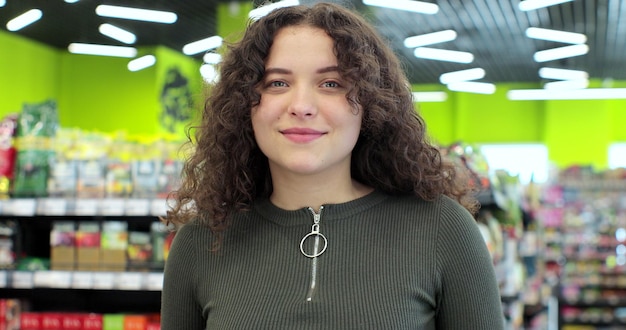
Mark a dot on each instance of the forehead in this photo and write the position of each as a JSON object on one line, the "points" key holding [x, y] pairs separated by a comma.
{"points": [[301, 42]]}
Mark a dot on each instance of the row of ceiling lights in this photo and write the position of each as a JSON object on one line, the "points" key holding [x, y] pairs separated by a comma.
{"points": [[567, 84], [462, 81]]}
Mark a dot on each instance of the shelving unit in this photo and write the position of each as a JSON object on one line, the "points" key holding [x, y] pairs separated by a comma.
{"points": [[590, 216], [76, 291]]}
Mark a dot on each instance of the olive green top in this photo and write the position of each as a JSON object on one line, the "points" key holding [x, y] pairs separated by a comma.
{"points": [[391, 262]]}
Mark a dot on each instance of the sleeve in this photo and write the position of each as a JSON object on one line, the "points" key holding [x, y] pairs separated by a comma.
{"points": [[179, 306], [469, 296]]}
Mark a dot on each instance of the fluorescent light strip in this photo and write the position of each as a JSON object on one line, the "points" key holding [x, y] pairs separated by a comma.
{"points": [[259, 12], [141, 63], [536, 4], [72, 1], [443, 55], [137, 14], [472, 87], [407, 5], [462, 75], [567, 84], [562, 74], [422, 97], [117, 33], [208, 73], [25, 19], [202, 45], [560, 52], [212, 58], [102, 50], [3, 3], [556, 35], [430, 38], [576, 94]]}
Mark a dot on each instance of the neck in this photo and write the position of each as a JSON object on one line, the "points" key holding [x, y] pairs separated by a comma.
{"points": [[292, 194]]}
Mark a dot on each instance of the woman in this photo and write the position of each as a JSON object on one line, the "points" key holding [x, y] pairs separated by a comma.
{"points": [[313, 199]]}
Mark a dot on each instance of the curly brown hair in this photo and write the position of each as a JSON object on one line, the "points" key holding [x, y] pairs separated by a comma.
{"points": [[227, 170]]}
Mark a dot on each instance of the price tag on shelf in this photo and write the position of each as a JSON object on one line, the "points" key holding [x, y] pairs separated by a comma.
{"points": [[23, 207], [4, 278], [52, 206], [52, 279], [154, 281], [86, 207], [129, 281], [82, 280], [112, 206], [137, 207], [104, 280], [22, 280]]}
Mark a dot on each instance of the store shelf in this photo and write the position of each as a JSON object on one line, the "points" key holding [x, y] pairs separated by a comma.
{"points": [[123, 281], [29, 207]]}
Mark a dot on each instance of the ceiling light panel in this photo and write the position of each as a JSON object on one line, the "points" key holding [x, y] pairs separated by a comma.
{"points": [[443, 55], [536, 4], [138, 14], [421, 97], [462, 75], [102, 50], [560, 52], [567, 84], [117, 33], [562, 74], [556, 35], [141, 63], [259, 12], [24, 20], [430, 38], [406, 5], [202, 45]]}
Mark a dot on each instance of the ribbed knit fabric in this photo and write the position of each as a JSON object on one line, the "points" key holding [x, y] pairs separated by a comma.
{"points": [[390, 263]]}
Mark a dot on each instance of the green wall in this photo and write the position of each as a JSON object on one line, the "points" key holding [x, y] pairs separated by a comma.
{"points": [[99, 93], [94, 93], [576, 132]]}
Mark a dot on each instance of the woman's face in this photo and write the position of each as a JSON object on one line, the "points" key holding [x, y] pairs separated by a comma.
{"points": [[304, 123]]}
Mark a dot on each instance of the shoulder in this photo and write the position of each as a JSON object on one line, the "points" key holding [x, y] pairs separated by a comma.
{"points": [[192, 234]]}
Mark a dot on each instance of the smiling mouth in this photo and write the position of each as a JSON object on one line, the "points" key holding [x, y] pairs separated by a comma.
{"points": [[302, 135]]}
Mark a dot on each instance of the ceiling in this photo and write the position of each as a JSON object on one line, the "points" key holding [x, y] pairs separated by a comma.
{"points": [[493, 30]]}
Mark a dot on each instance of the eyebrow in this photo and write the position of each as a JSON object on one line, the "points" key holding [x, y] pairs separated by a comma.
{"points": [[286, 71]]}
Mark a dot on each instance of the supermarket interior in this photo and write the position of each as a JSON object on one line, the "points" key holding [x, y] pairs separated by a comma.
{"points": [[91, 146]]}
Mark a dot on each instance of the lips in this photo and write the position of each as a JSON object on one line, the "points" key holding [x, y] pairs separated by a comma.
{"points": [[302, 135]]}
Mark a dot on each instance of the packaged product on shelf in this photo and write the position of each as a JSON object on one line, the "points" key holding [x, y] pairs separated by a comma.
{"points": [[92, 165], [64, 167], [145, 171], [88, 246], [63, 245], [119, 182], [113, 246], [170, 169], [113, 322], [7, 153], [159, 233], [10, 310], [92, 321], [37, 124], [139, 251], [8, 230]]}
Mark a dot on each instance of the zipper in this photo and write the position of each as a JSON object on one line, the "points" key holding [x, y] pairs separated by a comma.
{"points": [[319, 246]]}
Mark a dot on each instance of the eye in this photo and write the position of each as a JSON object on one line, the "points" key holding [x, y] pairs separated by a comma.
{"points": [[276, 83], [331, 84]]}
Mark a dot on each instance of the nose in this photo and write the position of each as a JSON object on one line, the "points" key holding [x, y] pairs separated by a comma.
{"points": [[303, 103]]}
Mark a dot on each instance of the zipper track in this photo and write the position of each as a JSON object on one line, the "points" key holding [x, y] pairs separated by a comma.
{"points": [[316, 252]]}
